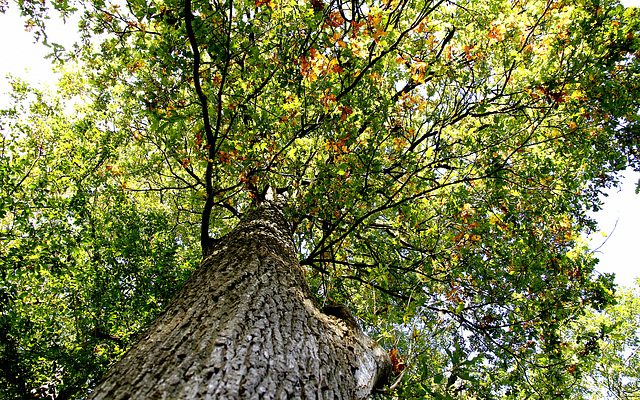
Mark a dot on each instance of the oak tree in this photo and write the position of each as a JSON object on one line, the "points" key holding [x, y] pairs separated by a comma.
{"points": [[424, 165]]}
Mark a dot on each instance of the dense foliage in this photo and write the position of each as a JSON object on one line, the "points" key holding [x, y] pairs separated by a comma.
{"points": [[438, 158]]}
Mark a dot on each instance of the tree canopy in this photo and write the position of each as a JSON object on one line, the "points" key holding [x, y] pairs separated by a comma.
{"points": [[438, 159]]}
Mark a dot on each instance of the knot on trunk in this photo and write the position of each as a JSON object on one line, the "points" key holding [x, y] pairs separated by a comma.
{"points": [[372, 363]]}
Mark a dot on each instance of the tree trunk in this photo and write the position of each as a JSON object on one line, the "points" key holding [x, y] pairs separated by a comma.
{"points": [[244, 325]]}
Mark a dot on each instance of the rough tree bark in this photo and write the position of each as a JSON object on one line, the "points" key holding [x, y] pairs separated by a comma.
{"points": [[244, 326]]}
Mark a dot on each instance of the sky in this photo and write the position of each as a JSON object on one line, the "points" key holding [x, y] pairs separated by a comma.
{"points": [[616, 245]]}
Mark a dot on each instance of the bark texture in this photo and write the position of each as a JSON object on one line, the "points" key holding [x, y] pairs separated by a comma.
{"points": [[244, 326]]}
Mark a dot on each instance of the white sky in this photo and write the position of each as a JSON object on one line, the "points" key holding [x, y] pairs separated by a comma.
{"points": [[619, 223], [619, 254], [21, 56]]}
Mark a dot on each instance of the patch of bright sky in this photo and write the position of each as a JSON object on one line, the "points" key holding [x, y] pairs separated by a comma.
{"points": [[23, 58], [619, 220], [618, 242]]}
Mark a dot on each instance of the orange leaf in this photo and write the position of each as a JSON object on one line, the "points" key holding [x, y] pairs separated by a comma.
{"points": [[398, 364]]}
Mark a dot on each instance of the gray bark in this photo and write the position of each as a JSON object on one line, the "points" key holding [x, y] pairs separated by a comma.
{"points": [[244, 326]]}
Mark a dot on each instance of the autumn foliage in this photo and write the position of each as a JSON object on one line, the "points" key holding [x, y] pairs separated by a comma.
{"points": [[437, 162]]}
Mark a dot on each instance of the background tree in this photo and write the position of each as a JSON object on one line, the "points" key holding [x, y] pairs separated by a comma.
{"points": [[610, 343], [437, 159]]}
